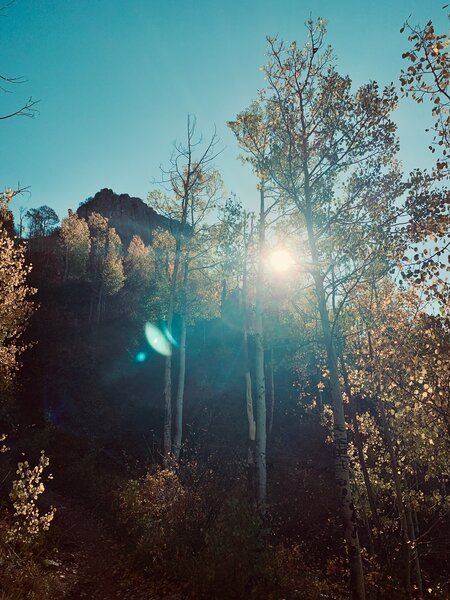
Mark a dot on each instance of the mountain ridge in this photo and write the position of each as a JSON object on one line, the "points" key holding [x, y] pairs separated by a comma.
{"points": [[129, 215]]}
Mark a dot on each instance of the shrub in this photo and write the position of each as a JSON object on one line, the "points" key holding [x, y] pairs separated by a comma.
{"points": [[28, 524], [294, 578], [21, 538], [193, 532], [235, 557]]}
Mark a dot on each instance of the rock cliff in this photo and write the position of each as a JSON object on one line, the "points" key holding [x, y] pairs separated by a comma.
{"points": [[128, 215]]}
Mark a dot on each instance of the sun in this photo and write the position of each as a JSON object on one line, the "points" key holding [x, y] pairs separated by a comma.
{"points": [[281, 260]]}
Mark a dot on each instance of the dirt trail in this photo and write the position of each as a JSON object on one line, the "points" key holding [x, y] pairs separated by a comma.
{"points": [[91, 564]]}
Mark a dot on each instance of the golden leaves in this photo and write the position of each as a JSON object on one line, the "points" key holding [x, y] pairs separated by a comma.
{"points": [[15, 306], [26, 489]]}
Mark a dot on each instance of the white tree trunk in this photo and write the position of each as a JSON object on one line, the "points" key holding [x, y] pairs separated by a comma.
{"points": [[177, 440], [167, 434], [250, 415], [260, 382], [341, 459], [248, 384], [271, 392]]}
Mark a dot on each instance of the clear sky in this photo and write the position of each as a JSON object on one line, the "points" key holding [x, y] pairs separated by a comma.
{"points": [[116, 79]]}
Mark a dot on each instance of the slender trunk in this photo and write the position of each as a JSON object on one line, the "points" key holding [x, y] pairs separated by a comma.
{"points": [[340, 443], [248, 389], [416, 535], [167, 435], [316, 375], [259, 362], [387, 435], [406, 542], [99, 304], [359, 446], [180, 392], [66, 263], [249, 405], [366, 523], [94, 260], [182, 370], [271, 392], [416, 523], [412, 535], [251, 440], [341, 460], [91, 305], [223, 298]]}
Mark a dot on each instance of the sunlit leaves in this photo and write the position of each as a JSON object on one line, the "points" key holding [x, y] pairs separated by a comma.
{"points": [[429, 77], [15, 305], [28, 521], [400, 355], [76, 245], [106, 265]]}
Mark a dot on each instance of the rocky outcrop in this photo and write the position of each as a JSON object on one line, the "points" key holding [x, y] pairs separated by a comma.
{"points": [[128, 215]]}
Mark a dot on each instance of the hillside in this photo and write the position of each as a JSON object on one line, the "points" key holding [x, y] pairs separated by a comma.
{"points": [[127, 214]]}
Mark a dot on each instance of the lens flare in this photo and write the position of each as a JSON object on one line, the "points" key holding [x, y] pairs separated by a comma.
{"points": [[169, 336], [140, 357], [157, 340]]}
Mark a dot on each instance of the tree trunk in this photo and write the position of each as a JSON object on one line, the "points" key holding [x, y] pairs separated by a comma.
{"points": [[180, 392], [359, 446], [178, 438], [66, 263], [412, 535], [366, 522], [271, 392], [91, 305], [260, 382], [387, 435], [99, 304], [341, 460], [406, 543], [251, 462], [167, 436], [340, 444]]}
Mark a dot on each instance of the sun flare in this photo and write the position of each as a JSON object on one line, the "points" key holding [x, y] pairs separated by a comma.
{"points": [[281, 260]]}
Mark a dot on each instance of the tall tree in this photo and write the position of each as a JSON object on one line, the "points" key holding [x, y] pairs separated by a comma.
{"points": [[400, 367], [330, 155], [138, 263], [15, 304], [105, 263], [192, 184], [237, 252], [76, 244], [41, 221], [251, 128]]}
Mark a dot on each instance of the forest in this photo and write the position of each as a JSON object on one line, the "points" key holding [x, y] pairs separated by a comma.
{"points": [[203, 398]]}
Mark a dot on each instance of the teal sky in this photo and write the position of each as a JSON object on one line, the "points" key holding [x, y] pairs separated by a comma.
{"points": [[116, 79]]}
